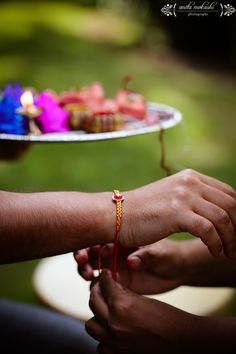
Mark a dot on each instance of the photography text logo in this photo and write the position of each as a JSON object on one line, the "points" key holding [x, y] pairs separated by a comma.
{"points": [[192, 9]]}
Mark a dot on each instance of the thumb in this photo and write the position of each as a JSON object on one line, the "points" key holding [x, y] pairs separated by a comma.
{"points": [[109, 288], [145, 257], [135, 261]]}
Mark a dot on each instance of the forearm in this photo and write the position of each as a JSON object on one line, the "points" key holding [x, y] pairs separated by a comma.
{"points": [[200, 334], [214, 334], [202, 269], [37, 225], [189, 333]]}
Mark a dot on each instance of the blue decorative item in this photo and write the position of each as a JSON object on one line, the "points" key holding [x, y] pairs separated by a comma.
{"points": [[12, 122]]}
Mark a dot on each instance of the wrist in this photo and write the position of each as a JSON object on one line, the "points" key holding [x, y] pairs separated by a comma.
{"points": [[106, 211]]}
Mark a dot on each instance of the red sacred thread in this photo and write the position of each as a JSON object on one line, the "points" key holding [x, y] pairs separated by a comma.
{"points": [[100, 259]]}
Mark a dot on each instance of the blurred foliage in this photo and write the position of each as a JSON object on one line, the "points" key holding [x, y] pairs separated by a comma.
{"points": [[61, 45]]}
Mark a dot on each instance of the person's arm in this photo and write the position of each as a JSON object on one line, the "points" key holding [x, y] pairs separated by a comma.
{"points": [[125, 322], [35, 225], [42, 224], [201, 269], [183, 263]]}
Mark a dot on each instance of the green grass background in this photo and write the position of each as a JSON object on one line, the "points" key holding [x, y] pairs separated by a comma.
{"points": [[60, 46]]}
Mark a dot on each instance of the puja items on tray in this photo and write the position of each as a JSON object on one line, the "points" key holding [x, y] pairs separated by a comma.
{"points": [[23, 111]]}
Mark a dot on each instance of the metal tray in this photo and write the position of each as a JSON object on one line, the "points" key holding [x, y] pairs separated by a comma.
{"points": [[168, 117]]}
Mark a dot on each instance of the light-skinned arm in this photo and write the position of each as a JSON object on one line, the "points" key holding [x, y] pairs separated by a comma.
{"points": [[35, 225], [41, 224]]}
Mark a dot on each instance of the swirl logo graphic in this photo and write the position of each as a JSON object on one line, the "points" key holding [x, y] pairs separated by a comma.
{"points": [[193, 9]]}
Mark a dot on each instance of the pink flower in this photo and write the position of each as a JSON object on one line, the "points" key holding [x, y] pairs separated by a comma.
{"points": [[53, 118]]}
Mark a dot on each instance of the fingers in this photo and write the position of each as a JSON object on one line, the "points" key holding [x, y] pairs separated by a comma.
{"points": [[95, 330], [109, 288], [222, 222], [204, 229], [86, 272], [225, 219], [81, 256], [84, 268], [215, 204], [98, 304], [93, 282], [218, 185], [87, 260], [223, 200]]}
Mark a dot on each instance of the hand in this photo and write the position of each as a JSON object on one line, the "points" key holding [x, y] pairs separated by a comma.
{"points": [[187, 201], [125, 322], [151, 269], [13, 150]]}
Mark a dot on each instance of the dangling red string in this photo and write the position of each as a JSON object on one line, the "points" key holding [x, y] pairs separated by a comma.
{"points": [[163, 164]]}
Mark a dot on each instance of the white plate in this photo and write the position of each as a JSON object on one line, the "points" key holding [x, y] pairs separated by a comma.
{"points": [[140, 127], [59, 286]]}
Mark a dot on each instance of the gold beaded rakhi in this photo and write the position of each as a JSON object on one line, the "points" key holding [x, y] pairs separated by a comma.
{"points": [[117, 198]]}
